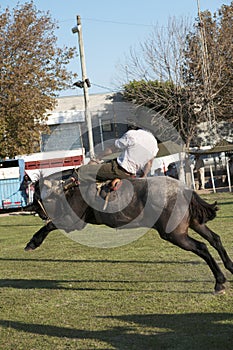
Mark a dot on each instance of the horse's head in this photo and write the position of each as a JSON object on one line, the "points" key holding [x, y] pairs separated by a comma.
{"points": [[43, 194], [37, 204]]}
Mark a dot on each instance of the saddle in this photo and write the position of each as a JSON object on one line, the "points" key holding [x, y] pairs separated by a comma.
{"points": [[103, 188]]}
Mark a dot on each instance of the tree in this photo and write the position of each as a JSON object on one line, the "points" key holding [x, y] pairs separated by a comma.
{"points": [[184, 73], [157, 79], [211, 45], [32, 71]]}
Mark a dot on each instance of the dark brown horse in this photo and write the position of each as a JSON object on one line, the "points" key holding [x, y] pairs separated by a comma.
{"points": [[162, 203]]}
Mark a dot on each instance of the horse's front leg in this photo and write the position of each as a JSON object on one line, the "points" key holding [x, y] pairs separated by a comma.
{"points": [[40, 236]]}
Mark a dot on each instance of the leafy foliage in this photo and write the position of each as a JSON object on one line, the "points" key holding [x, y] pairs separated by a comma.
{"points": [[184, 73], [33, 70], [209, 64]]}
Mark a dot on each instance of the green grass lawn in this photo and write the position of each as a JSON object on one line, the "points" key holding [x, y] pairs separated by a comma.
{"points": [[145, 295]]}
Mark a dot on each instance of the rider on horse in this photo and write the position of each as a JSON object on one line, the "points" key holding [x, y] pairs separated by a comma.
{"points": [[139, 147]]}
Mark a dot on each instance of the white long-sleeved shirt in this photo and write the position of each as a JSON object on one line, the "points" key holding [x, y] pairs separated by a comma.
{"points": [[138, 148]]}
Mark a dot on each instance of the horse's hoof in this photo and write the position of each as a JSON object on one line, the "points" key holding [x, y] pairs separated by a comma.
{"points": [[220, 291], [29, 247]]}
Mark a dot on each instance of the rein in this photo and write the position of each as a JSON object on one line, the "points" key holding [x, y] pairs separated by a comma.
{"points": [[48, 219]]}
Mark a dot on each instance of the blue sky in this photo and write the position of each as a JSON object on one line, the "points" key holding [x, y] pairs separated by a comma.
{"points": [[110, 29]]}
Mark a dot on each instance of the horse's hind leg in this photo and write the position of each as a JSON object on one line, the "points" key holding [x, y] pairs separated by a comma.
{"points": [[215, 242], [184, 241], [40, 236]]}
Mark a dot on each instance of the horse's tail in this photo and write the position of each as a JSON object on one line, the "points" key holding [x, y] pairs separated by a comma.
{"points": [[200, 210]]}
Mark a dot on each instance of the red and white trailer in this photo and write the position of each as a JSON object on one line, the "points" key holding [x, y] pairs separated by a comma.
{"points": [[34, 165], [47, 163]]}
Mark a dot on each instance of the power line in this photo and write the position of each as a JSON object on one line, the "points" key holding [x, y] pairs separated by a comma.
{"points": [[109, 21], [104, 87], [118, 22]]}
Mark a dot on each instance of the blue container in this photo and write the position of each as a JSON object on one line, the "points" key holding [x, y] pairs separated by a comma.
{"points": [[11, 176]]}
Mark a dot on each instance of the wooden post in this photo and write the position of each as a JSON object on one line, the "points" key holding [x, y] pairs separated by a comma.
{"points": [[212, 179], [228, 175], [85, 81], [192, 176]]}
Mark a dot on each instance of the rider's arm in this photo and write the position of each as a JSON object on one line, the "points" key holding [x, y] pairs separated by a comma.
{"points": [[147, 168]]}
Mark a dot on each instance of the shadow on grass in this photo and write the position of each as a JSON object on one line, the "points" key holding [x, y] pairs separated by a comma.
{"points": [[225, 203], [151, 331], [21, 225], [99, 285], [107, 261]]}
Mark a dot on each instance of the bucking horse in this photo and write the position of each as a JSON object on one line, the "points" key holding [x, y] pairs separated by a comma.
{"points": [[159, 202]]}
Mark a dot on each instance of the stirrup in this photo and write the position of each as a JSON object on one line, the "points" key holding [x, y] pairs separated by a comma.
{"points": [[115, 184]]}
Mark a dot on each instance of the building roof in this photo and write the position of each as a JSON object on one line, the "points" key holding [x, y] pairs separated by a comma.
{"points": [[222, 146]]}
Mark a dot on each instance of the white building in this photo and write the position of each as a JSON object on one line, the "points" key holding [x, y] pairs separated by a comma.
{"points": [[109, 114]]}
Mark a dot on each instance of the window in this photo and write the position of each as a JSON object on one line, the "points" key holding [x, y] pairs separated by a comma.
{"points": [[62, 137], [107, 125]]}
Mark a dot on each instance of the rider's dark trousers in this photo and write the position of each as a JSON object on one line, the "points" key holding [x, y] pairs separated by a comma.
{"points": [[102, 172]]}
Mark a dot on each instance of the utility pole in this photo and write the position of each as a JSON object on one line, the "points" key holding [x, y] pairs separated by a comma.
{"points": [[85, 84]]}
